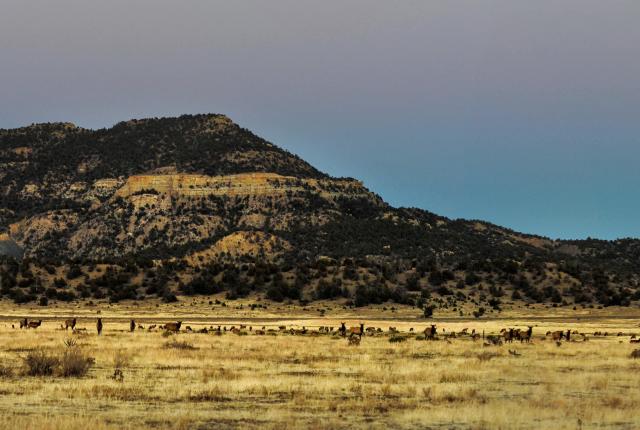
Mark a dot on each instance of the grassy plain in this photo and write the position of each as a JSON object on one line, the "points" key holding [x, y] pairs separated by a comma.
{"points": [[282, 381]]}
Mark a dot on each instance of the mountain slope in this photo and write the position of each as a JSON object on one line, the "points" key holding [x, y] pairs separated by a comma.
{"points": [[197, 204]]}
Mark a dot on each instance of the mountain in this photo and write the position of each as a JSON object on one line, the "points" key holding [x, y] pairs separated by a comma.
{"points": [[198, 205]]}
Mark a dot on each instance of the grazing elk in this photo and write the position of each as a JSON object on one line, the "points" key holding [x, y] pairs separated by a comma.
{"points": [[430, 332], [34, 324], [70, 323], [99, 326], [173, 326]]}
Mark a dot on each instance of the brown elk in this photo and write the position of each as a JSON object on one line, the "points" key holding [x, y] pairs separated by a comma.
{"points": [[343, 329], [99, 326], [24, 323], [430, 332], [356, 331], [507, 334], [525, 336], [34, 324], [70, 323], [173, 326], [132, 326], [557, 335]]}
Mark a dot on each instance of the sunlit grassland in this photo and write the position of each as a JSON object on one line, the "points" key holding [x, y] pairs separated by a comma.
{"points": [[279, 380]]}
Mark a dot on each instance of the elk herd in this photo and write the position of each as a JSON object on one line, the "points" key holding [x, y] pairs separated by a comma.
{"points": [[353, 334]]}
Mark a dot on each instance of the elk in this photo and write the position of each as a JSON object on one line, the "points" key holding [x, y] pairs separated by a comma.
{"points": [[24, 323], [99, 326], [430, 332], [525, 336], [173, 326], [356, 331], [507, 334], [343, 329], [70, 323], [34, 324], [132, 326], [151, 327], [557, 335]]}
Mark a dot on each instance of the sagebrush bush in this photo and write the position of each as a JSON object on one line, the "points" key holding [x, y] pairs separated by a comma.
{"points": [[121, 359], [394, 339], [5, 372], [74, 362], [175, 344], [40, 363]]}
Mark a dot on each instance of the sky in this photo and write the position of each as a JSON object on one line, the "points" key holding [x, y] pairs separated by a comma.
{"points": [[522, 113]]}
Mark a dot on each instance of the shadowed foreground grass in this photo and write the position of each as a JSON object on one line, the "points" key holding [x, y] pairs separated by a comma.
{"points": [[193, 380]]}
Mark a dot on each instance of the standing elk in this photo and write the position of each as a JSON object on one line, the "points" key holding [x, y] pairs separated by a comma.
{"points": [[557, 335], [430, 333], [132, 326], [34, 324], [356, 331], [70, 323], [173, 326], [525, 336], [343, 329], [99, 326]]}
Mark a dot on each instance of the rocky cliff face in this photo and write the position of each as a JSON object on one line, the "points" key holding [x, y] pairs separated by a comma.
{"points": [[170, 184]]}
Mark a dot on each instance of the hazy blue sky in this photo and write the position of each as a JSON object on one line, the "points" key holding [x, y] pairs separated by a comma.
{"points": [[526, 114]]}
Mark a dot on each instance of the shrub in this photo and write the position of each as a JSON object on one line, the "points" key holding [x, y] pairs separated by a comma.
{"points": [[428, 311], [75, 362], [121, 359], [39, 363], [396, 339], [175, 344], [5, 372]]}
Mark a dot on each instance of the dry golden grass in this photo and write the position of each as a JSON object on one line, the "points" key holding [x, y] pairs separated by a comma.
{"points": [[285, 381]]}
